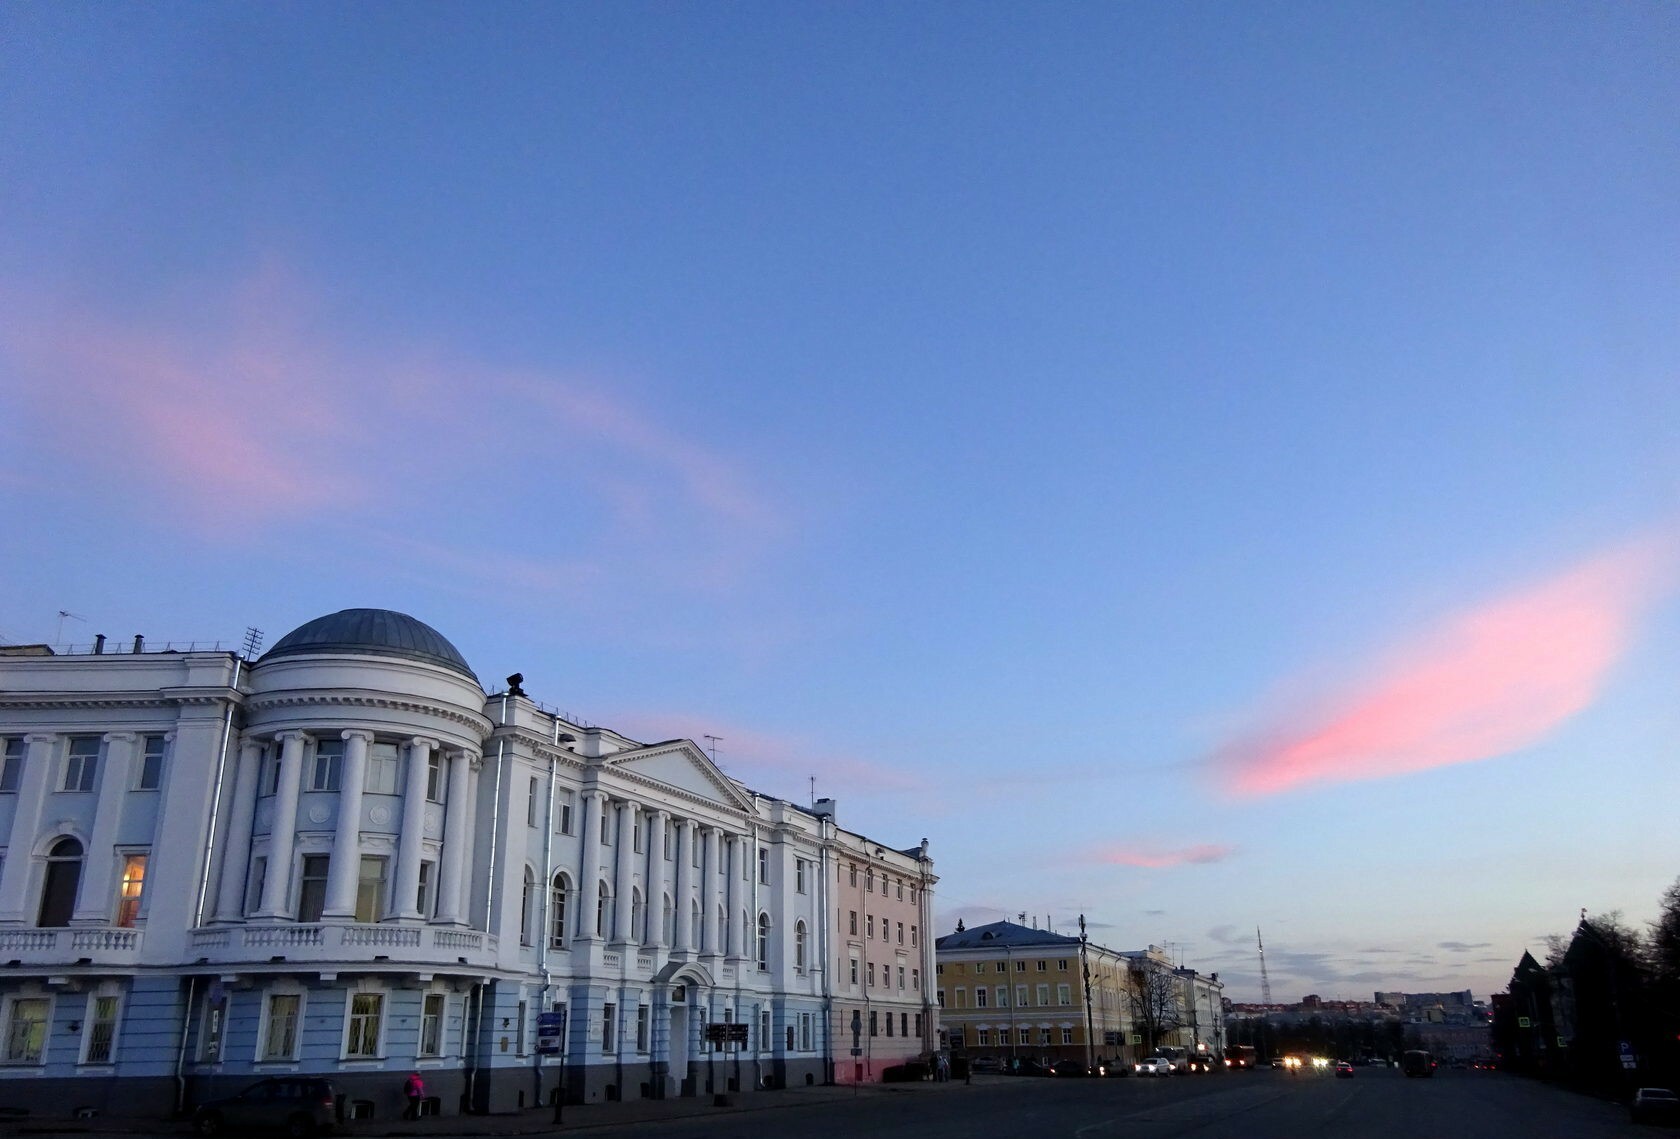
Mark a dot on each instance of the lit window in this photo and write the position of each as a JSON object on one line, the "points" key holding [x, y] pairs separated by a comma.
{"points": [[361, 1038], [26, 1030], [130, 889]]}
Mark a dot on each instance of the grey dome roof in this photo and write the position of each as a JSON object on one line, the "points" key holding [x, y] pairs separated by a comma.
{"points": [[382, 632]]}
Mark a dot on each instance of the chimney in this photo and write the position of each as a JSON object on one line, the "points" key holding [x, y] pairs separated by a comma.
{"points": [[99, 645], [139, 643], [823, 809]]}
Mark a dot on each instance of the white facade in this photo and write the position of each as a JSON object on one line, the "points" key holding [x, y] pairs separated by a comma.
{"points": [[344, 859]]}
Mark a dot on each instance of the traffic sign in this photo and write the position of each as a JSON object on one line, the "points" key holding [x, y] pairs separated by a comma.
{"points": [[551, 1029]]}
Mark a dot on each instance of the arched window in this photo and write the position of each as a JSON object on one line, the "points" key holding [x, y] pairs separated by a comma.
{"points": [[722, 928], [638, 916], [527, 903], [764, 941], [64, 878], [557, 892], [603, 911], [668, 922], [695, 930], [799, 947]]}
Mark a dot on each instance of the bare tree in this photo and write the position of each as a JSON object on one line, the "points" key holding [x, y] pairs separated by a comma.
{"points": [[1157, 1007]]}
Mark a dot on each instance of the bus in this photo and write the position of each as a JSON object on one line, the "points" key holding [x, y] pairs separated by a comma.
{"points": [[1417, 1062], [1239, 1056]]}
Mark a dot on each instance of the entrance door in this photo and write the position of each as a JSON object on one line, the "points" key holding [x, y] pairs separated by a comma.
{"points": [[678, 1044]]}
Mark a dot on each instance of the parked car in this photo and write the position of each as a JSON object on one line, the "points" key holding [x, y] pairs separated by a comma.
{"points": [[1031, 1067], [1077, 1068], [295, 1106], [1153, 1066], [1654, 1105], [985, 1064], [1344, 1070]]}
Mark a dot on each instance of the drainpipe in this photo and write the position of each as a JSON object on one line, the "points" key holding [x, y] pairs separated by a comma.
{"points": [[495, 821], [828, 918], [216, 800], [181, 1055], [546, 888]]}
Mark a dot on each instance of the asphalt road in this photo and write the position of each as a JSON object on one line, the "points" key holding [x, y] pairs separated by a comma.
{"points": [[1374, 1104]]}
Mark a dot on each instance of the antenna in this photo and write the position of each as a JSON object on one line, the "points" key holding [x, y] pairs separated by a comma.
{"points": [[1265, 981], [58, 637], [714, 740], [253, 641], [813, 791]]}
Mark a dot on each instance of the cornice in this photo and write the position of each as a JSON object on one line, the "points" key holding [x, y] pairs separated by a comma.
{"points": [[299, 699], [151, 698]]}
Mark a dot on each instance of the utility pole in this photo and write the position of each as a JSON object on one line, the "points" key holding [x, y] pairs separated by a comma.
{"points": [[1085, 968]]}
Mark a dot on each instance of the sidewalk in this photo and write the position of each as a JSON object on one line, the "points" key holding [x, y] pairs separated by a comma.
{"points": [[536, 1121]]}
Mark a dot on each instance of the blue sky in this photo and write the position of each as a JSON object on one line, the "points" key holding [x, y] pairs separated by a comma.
{"points": [[1205, 466]]}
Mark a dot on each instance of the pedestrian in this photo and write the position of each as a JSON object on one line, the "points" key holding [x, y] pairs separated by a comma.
{"points": [[415, 1089]]}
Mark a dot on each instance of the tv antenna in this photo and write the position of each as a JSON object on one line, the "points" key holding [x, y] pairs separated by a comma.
{"points": [[253, 641], [714, 741], [58, 637]]}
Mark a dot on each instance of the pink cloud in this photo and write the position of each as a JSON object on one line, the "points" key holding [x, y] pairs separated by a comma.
{"points": [[1487, 682], [1158, 858]]}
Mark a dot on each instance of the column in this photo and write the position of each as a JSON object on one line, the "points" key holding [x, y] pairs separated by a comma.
{"points": [[413, 830], [732, 894], [680, 902], [39, 752], [345, 869], [623, 882], [457, 809], [709, 893], [469, 849], [94, 901], [236, 839], [277, 881], [655, 878], [589, 864]]}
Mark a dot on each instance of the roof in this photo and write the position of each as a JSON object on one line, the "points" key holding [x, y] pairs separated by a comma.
{"points": [[381, 632], [999, 934]]}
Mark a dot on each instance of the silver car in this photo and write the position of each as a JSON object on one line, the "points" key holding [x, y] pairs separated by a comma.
{"points": [[1153, 1066]]}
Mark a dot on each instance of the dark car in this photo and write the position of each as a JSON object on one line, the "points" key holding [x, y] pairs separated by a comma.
{"points": [[1031, 1068], [985, 1064], [295, 1106], [1076, 1068], [1654, 1105]]}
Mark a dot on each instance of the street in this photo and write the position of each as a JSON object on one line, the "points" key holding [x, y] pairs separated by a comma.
{"points": [[1376, 1104]]}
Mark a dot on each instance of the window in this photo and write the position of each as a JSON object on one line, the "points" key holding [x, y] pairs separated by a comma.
{"points": [[603, 910], [11, 763], [1044, 1036], [129, 890], [983, 1037], [799, 947], [609, 1026], [763, 941], [381, 777], [854, 971], [1043, 996], [870, 879], [641, 1028], [370, 889], [790, 1038], [431, 1024], [764, 865], [636, 830], [557, 912], [361, 1037], [26, 1030], [271, 772], [101, 1029], [63, 880], [899, 887], [913, 939], [854, 923], [805, 1031], [150, 777], [1020, 996], [764, 1028], [435, 782], [215, 1019], [901, 976], [312, 887], [871, 924], [918, 1024], [1041, 966], [81, 768], [665, 841], [668, 921], [901, 933], [521, 1020], [799, 875], [1064, 995], [423, 893], [889, 1015], [1002, 996], [527, 906], [853, 869], [916, 979], [638, 916], [872, 975], [939, 998], [1061, 966], [1024, 1037], [279, 1039], [532, 798], [874, 1030], [1067, 1036], [254, 887], [1002, 966], [980, 1000], [324, 774], [563, 814], [1020, 966]]}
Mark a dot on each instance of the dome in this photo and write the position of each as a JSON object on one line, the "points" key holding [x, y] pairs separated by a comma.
{"points": [[381, 632]]}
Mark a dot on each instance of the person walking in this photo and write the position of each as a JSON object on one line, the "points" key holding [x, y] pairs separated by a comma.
{"points": [[415, 1089]]}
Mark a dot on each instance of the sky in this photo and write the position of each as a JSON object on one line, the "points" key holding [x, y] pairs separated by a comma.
{"points": [[1203, 466]]}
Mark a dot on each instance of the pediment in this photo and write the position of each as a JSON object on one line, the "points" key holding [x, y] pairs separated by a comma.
{"points": [[683, 766]]}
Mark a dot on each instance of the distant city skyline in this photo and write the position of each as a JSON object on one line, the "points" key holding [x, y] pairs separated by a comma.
{"points": [[1203, 470]]}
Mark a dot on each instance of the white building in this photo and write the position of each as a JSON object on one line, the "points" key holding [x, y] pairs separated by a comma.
{"points": [[344, 859]]}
